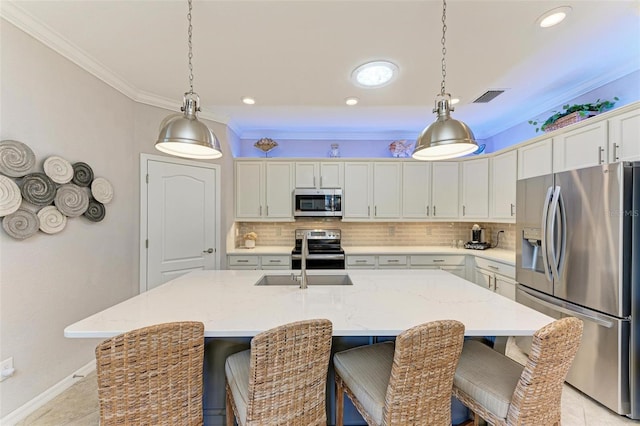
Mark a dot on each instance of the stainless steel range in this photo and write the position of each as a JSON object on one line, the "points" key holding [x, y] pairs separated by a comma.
{"points": [[325, 251]]}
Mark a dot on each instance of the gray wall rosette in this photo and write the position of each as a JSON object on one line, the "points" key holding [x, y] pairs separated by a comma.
{"points": [[82, 174], [44, 200], [21, 224], [95, 212], [38, 189], [16, 158]]}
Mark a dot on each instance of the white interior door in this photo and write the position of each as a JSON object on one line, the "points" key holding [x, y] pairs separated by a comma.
{"points": [[182, 219]]}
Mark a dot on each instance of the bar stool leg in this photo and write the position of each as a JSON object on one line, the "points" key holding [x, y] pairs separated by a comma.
{"points": [[339, 402]]}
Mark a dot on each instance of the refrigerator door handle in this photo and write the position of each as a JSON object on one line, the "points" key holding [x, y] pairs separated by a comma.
{"points": [[545, 219], [566, 308], [557, 256]]}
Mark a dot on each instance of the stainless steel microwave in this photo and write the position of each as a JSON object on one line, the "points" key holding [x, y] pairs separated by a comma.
{"points": [[317, 202]]}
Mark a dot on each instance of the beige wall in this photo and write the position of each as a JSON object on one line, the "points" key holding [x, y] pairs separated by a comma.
{"points": [[378, 234], [50, 281]]}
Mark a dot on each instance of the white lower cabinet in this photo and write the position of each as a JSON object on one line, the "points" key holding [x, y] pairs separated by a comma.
{"points": [[360, 262], [496, 276], [452, 263], [243, 261]]}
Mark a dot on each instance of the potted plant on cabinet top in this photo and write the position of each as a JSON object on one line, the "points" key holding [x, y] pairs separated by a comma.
{"points": [[571, 114]]}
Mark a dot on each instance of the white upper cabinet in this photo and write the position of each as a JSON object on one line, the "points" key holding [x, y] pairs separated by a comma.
{"points": [[386, 190], [416, 190], [535, 159], [279, 190], [249, 189], [475, 189], [583, 147], [445, 190], [356, 203], [372, 190], [502, 194], [311, 174], [624, 137], [264, 190]]}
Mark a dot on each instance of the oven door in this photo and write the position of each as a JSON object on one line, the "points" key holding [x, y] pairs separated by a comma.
{"points": [[319, 261]]}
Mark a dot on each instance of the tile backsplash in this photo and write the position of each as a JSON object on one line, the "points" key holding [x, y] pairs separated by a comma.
{"points": [[378, 234]]}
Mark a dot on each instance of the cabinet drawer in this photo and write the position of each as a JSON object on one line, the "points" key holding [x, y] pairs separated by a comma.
{"points": [[361, 261], [437, 260], [243, 260], [497, 267], [275, 261], [392, 261]]}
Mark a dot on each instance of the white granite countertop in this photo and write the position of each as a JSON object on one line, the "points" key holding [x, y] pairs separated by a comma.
{"points": [[379, 303], [261, 250], [500, 255]]}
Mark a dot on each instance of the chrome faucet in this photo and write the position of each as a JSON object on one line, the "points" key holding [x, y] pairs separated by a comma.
{"points": [[303, 261]]}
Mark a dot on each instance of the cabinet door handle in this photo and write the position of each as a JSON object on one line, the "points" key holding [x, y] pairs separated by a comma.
{"points": [[274, 261], [427, 210], [242, 261], [512, 206], [434, 210], [267, 210], [494, 267], [464, 210], [320, 181], [393, 261], [361, 261], [490, 277], [368, 210], [260, 211], [438, 260], [375, 210], [600, 152], [314, 181], [616, 147]]}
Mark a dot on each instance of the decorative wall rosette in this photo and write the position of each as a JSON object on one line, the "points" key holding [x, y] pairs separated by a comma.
{"points": [[52, 220], [10, 197], [82, 174], [71, 200], [58, 169], [16, 158], [21, 224], [38, 189], [95, 212]]}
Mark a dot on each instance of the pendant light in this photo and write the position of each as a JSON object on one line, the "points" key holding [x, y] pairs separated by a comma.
{"points": [[446, 137], [183, 135]]}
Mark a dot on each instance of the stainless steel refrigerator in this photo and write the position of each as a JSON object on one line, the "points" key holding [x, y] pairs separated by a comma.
{"points": [[578, 254]]}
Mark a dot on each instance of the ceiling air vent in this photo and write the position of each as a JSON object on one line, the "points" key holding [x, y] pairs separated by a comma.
{"points": [[488, 96]]}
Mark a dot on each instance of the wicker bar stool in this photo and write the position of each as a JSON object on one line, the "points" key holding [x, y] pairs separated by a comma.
{"points": [[502, 392], [282, 379], [152, 376], [406, 385]]}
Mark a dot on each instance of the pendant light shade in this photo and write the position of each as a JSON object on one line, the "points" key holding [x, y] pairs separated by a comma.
{"points": [[183, 135], [444, 138]]}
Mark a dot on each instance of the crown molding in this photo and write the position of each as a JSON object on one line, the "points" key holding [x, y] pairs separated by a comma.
{"points": [[14, 14]]}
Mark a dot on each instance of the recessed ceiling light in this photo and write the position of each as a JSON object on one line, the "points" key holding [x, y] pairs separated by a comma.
{"points": [[374, 74], [249, 101], [351, 101], [554, 16]]}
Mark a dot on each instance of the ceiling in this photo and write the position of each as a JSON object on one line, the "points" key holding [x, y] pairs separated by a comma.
{"points": [[295, 57]]}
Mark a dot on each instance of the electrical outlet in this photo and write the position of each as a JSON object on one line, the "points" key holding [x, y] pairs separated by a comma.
{"points": [[392, 231], [6, 369]]}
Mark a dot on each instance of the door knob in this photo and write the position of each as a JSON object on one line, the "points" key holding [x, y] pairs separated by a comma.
{"points": [[208, 251]]}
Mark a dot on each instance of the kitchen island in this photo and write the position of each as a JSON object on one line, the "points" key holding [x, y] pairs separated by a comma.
{"points": [[379, 305]]}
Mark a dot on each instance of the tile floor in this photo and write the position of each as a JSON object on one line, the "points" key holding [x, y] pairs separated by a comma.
{"points": [[78, 406]]}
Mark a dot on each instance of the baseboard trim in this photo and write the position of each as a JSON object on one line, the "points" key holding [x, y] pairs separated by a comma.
{"points": [[25, 410]]}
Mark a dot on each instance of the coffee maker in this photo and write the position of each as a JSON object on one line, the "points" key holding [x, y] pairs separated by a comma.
{"points": [[477, 241]]}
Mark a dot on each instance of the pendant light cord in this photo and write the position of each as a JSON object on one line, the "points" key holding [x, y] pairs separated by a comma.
{"points": [[444, 48], [191, 49]]}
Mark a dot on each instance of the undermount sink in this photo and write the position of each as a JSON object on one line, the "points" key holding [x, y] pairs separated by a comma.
{"points": [[334, 279]]}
